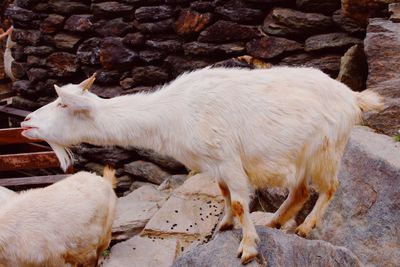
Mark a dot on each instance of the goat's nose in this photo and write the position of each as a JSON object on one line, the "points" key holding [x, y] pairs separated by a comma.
{"points": [[27, 119]]}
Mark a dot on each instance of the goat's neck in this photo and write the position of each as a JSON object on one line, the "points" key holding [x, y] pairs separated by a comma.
{"points": [[134, 120]]}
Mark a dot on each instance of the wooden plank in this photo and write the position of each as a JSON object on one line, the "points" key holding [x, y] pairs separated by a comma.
{"points": [[23, 148], [11, 162], [14, 111], [13, 136], [34, 180]]}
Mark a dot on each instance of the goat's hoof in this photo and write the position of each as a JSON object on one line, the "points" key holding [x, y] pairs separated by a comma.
{"points": [[302, 231], [247, 253], [273, 224]]}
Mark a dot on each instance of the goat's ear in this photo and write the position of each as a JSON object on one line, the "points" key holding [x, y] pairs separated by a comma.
{"points": [[86, 84], [75, 102]]}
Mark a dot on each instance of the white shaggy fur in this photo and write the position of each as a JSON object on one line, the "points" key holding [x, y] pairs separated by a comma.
{"points": [[6, 195], [65, 224], [282, 127]]}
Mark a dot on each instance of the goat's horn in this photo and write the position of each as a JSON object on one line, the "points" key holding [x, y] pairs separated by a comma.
{"points": [[86, 84]]}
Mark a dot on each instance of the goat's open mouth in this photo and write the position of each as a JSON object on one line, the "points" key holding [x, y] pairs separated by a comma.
{"points": [[26, 129]]}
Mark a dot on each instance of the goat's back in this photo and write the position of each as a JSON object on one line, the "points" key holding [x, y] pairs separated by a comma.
{"points": [[270, 118]]}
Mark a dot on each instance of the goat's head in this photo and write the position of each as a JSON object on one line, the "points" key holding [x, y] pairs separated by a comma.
{"points": [[65, 121]]}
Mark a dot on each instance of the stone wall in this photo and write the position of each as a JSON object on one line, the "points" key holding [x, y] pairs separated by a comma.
{"points": [[137, 45]]}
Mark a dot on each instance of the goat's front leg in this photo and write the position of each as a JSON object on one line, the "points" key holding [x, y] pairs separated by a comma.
{"points": [[236, 181], [227, 221]]}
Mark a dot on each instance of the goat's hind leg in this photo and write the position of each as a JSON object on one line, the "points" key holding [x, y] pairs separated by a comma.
{"points": [[326, 190], [236, 181], [298, 195]]}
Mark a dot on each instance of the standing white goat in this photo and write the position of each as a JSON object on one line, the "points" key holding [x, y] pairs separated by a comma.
{"points": [[282, 127], [65, 224]]}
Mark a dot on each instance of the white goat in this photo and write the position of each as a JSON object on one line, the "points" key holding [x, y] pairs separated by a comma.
{"points": [[282, 127], [65, 224]]}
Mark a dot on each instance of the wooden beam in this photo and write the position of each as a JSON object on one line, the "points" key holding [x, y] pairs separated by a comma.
{"points": [[34, 180], [13, 136], [14, 111], [11, 162]]}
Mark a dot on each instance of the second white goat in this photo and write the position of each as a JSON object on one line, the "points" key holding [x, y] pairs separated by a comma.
{"points": [[65, 224]]}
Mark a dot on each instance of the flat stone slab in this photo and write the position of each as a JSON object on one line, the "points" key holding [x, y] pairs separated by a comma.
{"points": [[143, 251], [201, 185], [189, 217], [135, 210]]}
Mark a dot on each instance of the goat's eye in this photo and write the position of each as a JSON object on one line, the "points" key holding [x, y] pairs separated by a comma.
{"points": [[60, 105]]}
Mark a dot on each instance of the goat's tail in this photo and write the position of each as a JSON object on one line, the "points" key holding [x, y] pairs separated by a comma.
{"points": [[369, 101], [109, 175]]}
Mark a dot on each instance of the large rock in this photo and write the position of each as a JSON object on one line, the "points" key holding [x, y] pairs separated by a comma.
{"points": [[170, 46], [362, 10], [134, 39], [329, 63], [105, 155], [52, 23], [238, 11], [269, 47], [318, 6], [62, 63], [89, 51], [386, 121], [135, 210], [207, 49], [22, 18], [69, 7], [114, 27], [65, 41], [146, 170], [26, 37], [292, 23], [338, 41], [190, 22], [154, 13], [276, 249], [347, 24], [179, 64], [226, 31], [112, 9], [365, 211], [382, 47], [143, 251], [38, 50], [163, 161], [163, 26], [149, 75], [79, 23], [113, 54], [354, 68]]}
